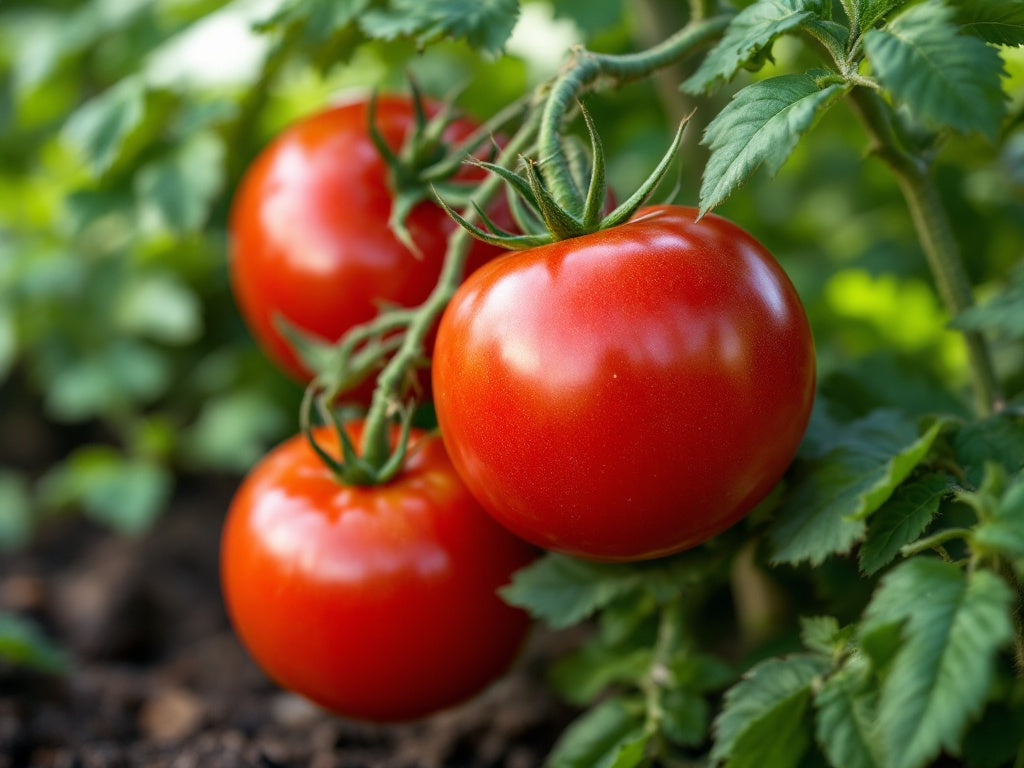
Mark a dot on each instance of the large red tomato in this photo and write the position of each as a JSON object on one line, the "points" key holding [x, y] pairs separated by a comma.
{"points": [[378, 603], [309, 229], [626, 394]]}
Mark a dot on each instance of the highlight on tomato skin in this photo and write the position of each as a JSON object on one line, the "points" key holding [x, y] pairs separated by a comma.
{"points": [[309, 235], [378, 603], [627, 394]]}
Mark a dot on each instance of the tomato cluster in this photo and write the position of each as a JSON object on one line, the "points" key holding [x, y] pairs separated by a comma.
{"points": [[377, 602], [617, 396]]}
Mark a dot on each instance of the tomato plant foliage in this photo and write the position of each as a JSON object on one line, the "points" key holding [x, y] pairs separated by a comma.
{"points": [[863, 613]]}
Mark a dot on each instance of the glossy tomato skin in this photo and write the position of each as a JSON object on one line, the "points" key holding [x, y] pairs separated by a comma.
{"points": [[627, 394], [309, 229], [377, 603]]}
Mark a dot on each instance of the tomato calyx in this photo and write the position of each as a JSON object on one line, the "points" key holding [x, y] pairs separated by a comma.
{"points": [[540, 216], [351, 468], [425, 160]]}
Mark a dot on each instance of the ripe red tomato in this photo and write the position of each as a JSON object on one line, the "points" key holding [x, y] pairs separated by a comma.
{"points": [[626, 394], [309, 229], [378, 602]]}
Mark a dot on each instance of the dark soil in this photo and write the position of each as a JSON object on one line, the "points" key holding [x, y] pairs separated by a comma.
{"points": [[158, 678]]}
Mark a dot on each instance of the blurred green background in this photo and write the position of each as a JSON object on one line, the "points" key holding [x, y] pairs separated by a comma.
{"points": [[125, 126]]}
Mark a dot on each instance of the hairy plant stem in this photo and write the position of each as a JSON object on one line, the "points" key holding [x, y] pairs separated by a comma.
{"points": [[376, 439], [935, 234], [585, 68]]}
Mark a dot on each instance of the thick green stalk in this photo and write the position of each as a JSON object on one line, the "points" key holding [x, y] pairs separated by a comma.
{"points": [[585, 69], [588, 67], [376, 438], [935, 234]]}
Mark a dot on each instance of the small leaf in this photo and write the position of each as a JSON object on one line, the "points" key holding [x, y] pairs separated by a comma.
{"points": [[955, 623], [870, 12], [748, 37], [819, 633], [1003, 313], [175, 193], [760, 126], [563, 591], [825, 511], [685, 717], [15, 511], [484, 24], [113, 126], [762, 722], [995, 21], [845, 726], [902, 519], [125, 493], [998, 438], [605, 737], [234, 429], [1004, 533], [579, 678], [8, 343], [945, 78], [160, 307], [23, 643]]}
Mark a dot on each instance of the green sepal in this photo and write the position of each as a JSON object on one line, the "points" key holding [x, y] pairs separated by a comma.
{"points": [[626, 210], [512, 243], [560, 223], [598, 189]]}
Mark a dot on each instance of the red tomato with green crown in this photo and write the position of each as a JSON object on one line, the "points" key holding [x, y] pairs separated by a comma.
{"points": [[310, 240], [378, 603], [626, 394]]}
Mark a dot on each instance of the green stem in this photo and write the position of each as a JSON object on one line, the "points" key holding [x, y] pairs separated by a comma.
{"points": [[659, 675], [376, 437], [586, 68], [935, 540], [935, 234]]}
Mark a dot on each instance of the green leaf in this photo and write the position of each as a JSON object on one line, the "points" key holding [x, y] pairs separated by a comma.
{"points": [[125, 493], [161, 307], [685, 717], [762, 723], [1004, 532], [748, 39], [563, 591], [175, 193], [826, 509], [902, 519], [113, 126], [954, 625], [1003, 313], [100, 384], [23, 643], [760, 126], [234, 429], [821, 634], [15, 511], [995, 21], [608, 736], [846, 711], [944, 78], [484, 24], [579, 678], [701, 672], [998, 438], [8, 343], [870, 12]]}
